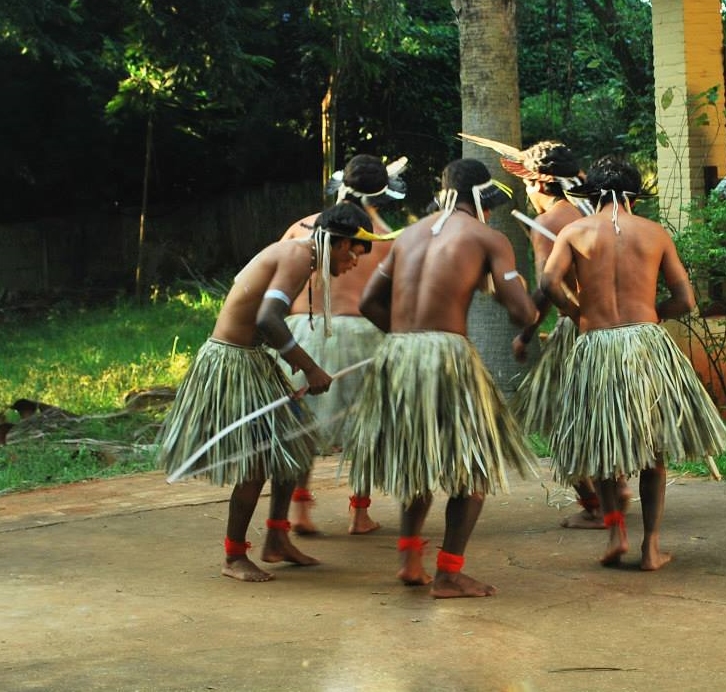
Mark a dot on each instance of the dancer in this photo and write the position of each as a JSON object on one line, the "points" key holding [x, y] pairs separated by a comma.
{"points": [[430, 413], [631, 399], [350, 337], [548, 169], [234, 374]]}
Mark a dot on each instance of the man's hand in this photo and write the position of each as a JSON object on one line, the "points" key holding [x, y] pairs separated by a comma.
{"points": [[318, 380], [519, 348]]}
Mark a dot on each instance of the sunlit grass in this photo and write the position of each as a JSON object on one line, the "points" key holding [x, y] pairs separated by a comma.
{"points": [[86, 362]]}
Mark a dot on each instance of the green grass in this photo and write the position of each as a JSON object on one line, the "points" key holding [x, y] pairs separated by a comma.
{"points": [[86, 361]]}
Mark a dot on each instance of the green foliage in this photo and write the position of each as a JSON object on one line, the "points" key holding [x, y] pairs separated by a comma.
{"points": [[87, 362]]}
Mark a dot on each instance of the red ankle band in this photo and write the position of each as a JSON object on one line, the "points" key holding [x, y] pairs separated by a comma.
{"points": [[615, 518], [590, 504], [448, 562], [411, 543], [278, 524], [235, 548], [302, 495], [360, 501]]}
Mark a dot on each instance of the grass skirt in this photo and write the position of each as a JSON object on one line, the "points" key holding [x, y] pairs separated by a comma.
{"points": [[224, 383], [537, 400], [430, 415], [353, 339], [631, 395]]}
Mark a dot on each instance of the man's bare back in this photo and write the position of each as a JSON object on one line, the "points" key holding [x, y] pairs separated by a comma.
{"points": [[441, 302], [617, 272]]}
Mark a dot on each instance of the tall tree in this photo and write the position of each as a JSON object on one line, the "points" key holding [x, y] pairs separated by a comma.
{"points": [[490, 108]]}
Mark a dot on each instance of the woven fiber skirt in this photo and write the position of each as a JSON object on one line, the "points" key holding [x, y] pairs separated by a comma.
{"points": [[536, 402], [631, 395], [430, 416], [223, 384]]}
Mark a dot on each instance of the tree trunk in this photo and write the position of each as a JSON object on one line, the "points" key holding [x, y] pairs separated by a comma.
{"points": [[144, 204], [490, 108]]}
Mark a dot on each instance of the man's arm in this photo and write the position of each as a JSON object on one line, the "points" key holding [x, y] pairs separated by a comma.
{"points": [[510, 288], [682, 299], [553, 276]]}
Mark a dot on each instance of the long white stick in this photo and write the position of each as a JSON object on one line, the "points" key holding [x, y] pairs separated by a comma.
{"points": [[534, 225], [246, 419]]}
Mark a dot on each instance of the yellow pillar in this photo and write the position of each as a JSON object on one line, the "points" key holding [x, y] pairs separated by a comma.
{"points": [[688, 63]]}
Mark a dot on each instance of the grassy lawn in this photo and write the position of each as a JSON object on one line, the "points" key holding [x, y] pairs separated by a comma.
{"points": [[107, 374], [97, 366]]}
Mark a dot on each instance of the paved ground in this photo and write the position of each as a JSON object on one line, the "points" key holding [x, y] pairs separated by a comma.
{"points": [[115, 585]]}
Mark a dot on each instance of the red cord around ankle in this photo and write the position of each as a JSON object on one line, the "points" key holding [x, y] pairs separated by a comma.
{"points": [[615, 518], [415, 543], [590, 504], [360, 502], [235, 548], [302, 495], [448, 562], [278, 524]]}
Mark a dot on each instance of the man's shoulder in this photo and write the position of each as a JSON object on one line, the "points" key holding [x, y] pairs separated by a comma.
{"points": [[301, 228]]}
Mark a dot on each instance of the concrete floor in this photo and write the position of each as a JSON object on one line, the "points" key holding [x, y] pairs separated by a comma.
{"points": [[116, 585]]}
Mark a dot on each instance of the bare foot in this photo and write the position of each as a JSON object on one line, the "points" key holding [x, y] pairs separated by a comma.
{"points": [[617, 547], [244, 569], [413, 573], [653, 558], [279, 549], [305, 528], [361, 523], [414, 577], [458, 585], [583, 520]]}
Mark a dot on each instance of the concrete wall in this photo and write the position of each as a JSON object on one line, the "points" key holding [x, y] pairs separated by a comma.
{"points": [[688, 61]]}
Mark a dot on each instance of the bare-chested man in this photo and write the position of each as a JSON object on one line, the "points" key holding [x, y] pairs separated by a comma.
{"points": [[234, 374], [368, 183], [430, 414], [548, 169], [631, 399]]}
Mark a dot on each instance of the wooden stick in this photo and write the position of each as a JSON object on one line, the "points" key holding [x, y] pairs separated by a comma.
{"points": [[534, 225]]}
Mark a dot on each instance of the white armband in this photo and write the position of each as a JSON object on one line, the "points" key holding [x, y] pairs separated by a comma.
{"points": [[287, 347], [279, 295], [508, 276]]}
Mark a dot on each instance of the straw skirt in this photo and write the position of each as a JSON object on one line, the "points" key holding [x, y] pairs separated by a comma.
{"points": [[631, 395], [430, 416], [537, 400], [224, 383]]}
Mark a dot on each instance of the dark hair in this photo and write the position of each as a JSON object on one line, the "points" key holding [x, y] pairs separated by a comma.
{"points": [[365, 174], [551, 158], [343, 220], [614, 173], [463, 174]]}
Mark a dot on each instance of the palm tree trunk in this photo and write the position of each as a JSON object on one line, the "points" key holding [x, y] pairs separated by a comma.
{"points": [[144, 203], [490, 108]]}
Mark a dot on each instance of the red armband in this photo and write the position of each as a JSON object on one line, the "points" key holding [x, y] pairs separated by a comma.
{"points": [[448, 562]]}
